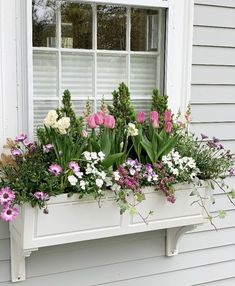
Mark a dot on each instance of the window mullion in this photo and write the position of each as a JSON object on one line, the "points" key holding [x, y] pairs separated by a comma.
{"points": [[59, 72], [94, 44], [159, 59], [128, 46]]}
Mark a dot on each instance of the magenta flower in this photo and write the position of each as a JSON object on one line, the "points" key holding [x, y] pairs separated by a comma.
{"points": [[167, 115], [55, 169], [168, 127], [9, 213], [109, 121], [47, 148], [74, 166], [99, 118], [16, 152], [140, 117], [21, 137], [154, 116], [41, 196], [6, 196], [91, 121], [84, 133]]}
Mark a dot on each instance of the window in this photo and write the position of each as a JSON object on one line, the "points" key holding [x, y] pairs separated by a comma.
{"points": [[90, 49], [69, 44]]}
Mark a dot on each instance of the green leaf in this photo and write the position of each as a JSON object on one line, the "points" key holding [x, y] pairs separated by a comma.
{"points": [[111, 159], [232, 194], [133, 211], [222, 214], [105, 142], [167, 147], [140, 197], [194, 193], [148, 147]]}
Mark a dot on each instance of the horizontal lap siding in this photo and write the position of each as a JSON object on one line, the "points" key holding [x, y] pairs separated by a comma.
{"points": [[213, 111], [207, 257]]}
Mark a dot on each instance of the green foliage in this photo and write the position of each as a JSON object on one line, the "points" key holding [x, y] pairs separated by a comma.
{"points": [[159, 104]]}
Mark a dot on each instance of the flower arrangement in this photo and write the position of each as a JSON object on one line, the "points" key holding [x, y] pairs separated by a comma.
{"points": [[115, 149]]}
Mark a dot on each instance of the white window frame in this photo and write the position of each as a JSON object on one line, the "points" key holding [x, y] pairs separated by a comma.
{"points": [[178, 52]]}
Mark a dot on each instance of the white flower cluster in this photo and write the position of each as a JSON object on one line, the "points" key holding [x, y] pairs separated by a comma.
{"points": [[181, 167], [132, 130], [62, 124], [93, 156]]}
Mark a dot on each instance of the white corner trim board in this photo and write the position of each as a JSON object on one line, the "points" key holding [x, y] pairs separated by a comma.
{"points": [[73, 220]]}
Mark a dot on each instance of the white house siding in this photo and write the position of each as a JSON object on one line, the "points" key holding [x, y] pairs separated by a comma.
{"points": [[207, 257]]}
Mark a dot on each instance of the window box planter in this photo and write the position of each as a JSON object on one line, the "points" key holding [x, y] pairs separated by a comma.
{"points": [[72, 220]]}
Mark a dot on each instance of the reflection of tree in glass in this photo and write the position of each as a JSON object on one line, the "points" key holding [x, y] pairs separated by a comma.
{"points": [[43, 17], [111, 27], [77, 24]]}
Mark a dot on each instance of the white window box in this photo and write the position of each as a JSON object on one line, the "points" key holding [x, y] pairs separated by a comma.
{"points": [[72, 220]]}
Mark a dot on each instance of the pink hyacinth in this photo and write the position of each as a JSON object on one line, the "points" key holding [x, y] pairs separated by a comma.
{"points": [[16, 152], [99, 118], [167, 115], [109, 121], [9, 213], [6, 196], [21, 137], [91, 121], [41, 196], [74, 166], [168, 127], [140, 117], [55, 169]]}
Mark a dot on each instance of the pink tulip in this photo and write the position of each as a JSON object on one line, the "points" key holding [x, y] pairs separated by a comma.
{"points": [[154, 117], [167, 115], [168, 127], [155, 124], [99, 118], [109, 121], [140, 117], [91, 121], [84, 133]]}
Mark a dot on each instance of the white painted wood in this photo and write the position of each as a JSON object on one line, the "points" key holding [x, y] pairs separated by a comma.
{"points": [[213, 112], [224, 282], [213, 94], [213, 74], [32, 229], [213, 56], [214, 16], [211, 36], [222, 3]]}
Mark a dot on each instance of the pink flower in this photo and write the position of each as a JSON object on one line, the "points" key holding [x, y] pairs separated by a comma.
{"points": [[140, 117], [99, 118], [47, 148], [16, 152], [27, 143], [91, 121], [55, 169], [188, 117], [20, 138], [168, 127], [41, 196], [167, 115], [6, 196], [9, 213], [74, 166], [84, 133], [154, 116], [109, 121]]}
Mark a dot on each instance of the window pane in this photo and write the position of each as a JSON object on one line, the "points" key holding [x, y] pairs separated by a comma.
{"points": [[111, 70], [143, 75], [44, 74], [77, 74], [144, 30], [76, 21], [111, 27], [44, 23]]}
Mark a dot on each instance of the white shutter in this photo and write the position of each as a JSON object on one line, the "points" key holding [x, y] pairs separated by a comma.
{"points": [[77, 74], [143, 76]]}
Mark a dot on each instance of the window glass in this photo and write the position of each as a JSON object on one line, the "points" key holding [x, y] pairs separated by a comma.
{"points": [[111, 27], [144, 30], [44, 23], [76, 26]]}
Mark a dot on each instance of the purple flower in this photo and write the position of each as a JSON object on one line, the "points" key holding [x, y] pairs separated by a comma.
{"points": [[27, 143], [46, 211], [47, 148], [41, 196], [9, 213], [16, 152], [20, 138], [231, 171], [74, 166], [6, 196], [215, 140], [204, 136], [55, 169], [171, 199]]}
